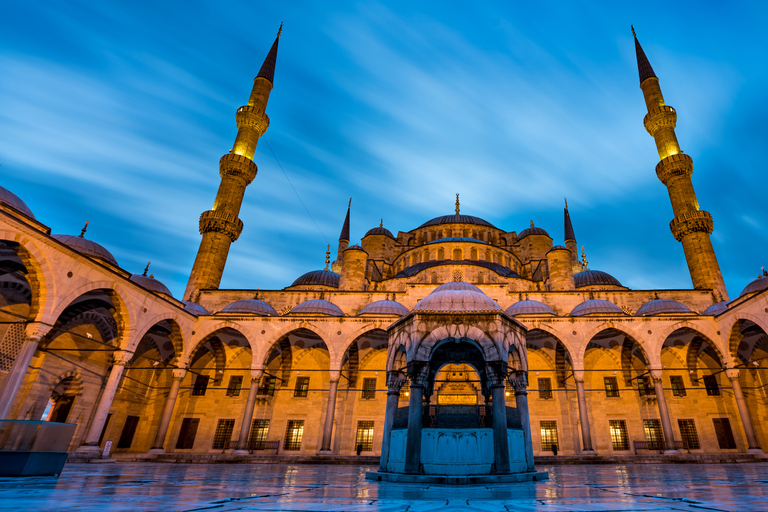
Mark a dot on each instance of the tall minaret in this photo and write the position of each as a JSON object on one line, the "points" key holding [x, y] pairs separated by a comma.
{"points": [[570, 239], [690, 226], [343, 240], [221, 226]]}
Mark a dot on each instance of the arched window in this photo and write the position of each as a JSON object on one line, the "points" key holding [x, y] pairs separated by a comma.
{"points": [[433, 278], [473, 254], [457, 254], [426, 255], [480, 278], [441, 254]]}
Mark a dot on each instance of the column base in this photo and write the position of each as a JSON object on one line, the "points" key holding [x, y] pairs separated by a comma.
{"points": [[672, 452], [588, 452], [756, 451], [326, 452], [156, 450], [90, 449], [240, 452]]}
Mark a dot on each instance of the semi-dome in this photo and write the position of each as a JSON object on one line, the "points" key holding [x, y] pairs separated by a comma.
{"points": [[384, 307], [151, 284], [758, 285], [317, 307], [10, 199], [355, 248], [457, 239], [457, 219], [250, 306], [529, 307], [457, 297], [87, 248], [659, 306], [594, 278], [532, 231], [195, 308], [318, 278], [597, 307], [379, 230], [716, 308]]}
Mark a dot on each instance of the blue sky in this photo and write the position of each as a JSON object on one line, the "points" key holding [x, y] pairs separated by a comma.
{"points": [[118, 112]]}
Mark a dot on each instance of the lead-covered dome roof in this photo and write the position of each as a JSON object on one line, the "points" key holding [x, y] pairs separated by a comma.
{"points": [[659, 306], [87, 248], [716, 308], [594, 278], [758, 285], [384, 307], [379, 230], [318, 278], [532, 231], [151, 284], [195, 308], [457, 239], [457, 219], [596, 307], [317, 307], [250, 306], [457, 297], [529, 307], [9, 198]]}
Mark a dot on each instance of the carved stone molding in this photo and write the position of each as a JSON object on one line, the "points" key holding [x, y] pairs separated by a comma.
{"points": [[218, 221], [691, 222]]}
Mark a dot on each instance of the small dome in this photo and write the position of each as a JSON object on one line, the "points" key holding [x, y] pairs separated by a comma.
{"points": [[318, 278], [716, 308], [594, 278], [87, 248], [529, 307], [658, 306], [532, 231], [385, 307], [597, 307], [250, 306], [457, 297], [317, 307], [10, 199], [355, 248], [195, 308], [151, 284], [379, 230], [457, 219], [457, 239], [558, 248], [758, 285]]}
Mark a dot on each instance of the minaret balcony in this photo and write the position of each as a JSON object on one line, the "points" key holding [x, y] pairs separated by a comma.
{"points": [[696, 221], [218, 221], [249, 117], [660, 118], [236, 166], [674, 166]]}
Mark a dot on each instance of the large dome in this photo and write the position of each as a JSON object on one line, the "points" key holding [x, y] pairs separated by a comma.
{"points": [[87, 247], [529, 307], [318, 278], [659, 306], [317, 307], [594, 278], [457, 239], [384, 307], [597, 307], [9, 198], [532, 231], [457, 219], [379, 230], [457, 297], [716, 308], [250, 306], [758, 285], [151, 284]]}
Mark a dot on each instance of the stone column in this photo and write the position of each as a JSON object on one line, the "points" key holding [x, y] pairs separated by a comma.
{"points": [[418, 373], [666, 425], [245, 426], [395, 381], [170, 403], [329, 413], [34, 331], [752, 445], [520, 384], [91, 444], [586, 435]]}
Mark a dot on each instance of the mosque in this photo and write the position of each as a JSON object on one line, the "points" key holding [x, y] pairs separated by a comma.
{"points": [[304, 371]]}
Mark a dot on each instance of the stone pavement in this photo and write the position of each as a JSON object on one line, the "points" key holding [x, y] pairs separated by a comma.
{"points": [[221, 487]]}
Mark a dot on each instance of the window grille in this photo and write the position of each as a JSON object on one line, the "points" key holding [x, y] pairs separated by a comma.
{"points": [[268, 388], [369, 388], [710, 383], [545, 388], [201, 385], [258, 437], [644, 387], [653, 434], [223, 434], [688, 434], [235, 385], [294, 431], [302, 386], [724, 433], [364, 437], [619, 435], [129, 429], [549, 436], [678, 386], [611, 386], [187, 433]]}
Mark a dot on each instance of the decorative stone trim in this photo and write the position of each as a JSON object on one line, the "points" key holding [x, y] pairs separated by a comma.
{"points": [[237, 167], [691, 222], [674, 166], [660, 118], [218, 221], [252, 118]]}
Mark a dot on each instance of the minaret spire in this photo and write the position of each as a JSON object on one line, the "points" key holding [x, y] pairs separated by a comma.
{"points": [[691, 226], [570, 238], [221, 226], [343, 239]]}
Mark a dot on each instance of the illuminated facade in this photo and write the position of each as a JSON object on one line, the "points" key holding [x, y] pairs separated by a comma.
{"points": [[302, 371]]}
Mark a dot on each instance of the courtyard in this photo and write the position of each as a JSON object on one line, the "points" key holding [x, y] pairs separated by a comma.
{"points": [[186, 487]]}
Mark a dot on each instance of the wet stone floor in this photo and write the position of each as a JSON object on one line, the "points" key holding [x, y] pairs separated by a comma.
{"points": [[220, 487]]}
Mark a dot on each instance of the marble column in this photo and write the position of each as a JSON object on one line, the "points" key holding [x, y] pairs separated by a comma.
{"points": [[170, 403], [520, 384], [395, 381], [418, 374], [33, 331], [666, 425], [91, 444], [752, 444], [330, 413], [499, 416], [250, 404], [586, 434]]}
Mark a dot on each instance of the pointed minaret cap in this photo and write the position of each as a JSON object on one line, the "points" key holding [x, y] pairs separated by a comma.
{"points": [[268, 68], [643, 66], [568, 226], [345, 228]]}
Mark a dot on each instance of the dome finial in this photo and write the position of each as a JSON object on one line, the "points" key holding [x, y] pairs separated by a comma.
{"points": [[584, 261], [765, 272], [146, 268], [457, 204], [280, 30], [633, 31], [82, 232], [566, 202], [327, 257], [532, 224], [381, 224]]}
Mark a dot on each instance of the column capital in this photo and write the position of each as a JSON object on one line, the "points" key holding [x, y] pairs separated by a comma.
{"points": [[36, 330], [256, 374], [395, 382], [335, 375], [179, 373], [121, 357], [418, 372], [655, 374], [578, 376], [519, 381], [732, 373]]}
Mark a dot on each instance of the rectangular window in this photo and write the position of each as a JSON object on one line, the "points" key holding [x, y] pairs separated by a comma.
{"points": [[201, 385], [268, 388], [549, 441], [619, 436], [302, 386], [688, 434], [724, 433], [223, 434], [129, 429], [258, 437], [545, 388], [364, 437], [678, 386], [611, 386], [187, 433], [294, 431], [369, 388], [235, 385], [644, 387], [710, 383], [653, 434]]}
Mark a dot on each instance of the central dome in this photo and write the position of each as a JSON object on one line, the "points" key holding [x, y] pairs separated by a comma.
{"points": [[457, 219], [457, 297]]}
